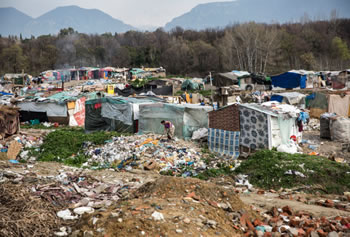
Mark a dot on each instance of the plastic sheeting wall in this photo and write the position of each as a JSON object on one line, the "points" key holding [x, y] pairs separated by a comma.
{"points": [[121, 112], [51, 109], [186, 119]]}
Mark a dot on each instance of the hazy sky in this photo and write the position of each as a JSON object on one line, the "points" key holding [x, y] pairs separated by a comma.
{"points": [[134, 12]]}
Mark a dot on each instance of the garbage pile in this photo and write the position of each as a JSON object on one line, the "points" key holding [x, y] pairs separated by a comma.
{"points": [[20, 144], [146, 152]]}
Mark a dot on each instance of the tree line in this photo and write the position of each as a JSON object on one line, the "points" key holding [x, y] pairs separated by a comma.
{"points": [[253, 47]]}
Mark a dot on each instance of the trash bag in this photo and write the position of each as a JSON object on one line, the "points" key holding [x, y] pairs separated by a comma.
{"points": [[340, 130], [189, 85], [325, 119], [200, 133], [290, 148]]}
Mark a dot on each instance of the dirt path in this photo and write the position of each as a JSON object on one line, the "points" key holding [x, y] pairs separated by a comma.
{"points": [[267, 201], [54, 169]]}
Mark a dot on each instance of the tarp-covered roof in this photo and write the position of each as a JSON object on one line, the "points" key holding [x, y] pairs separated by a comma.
{"points": [[225, 79], [289, 80]]}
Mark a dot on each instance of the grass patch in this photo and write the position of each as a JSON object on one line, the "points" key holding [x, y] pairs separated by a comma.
{"points": [[267, 169], [213, 172], [66, 145], [37, 126]]}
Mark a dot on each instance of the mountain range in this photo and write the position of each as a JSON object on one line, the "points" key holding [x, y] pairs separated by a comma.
{"points": [[14, 22], [221, 14], [209, 15]]}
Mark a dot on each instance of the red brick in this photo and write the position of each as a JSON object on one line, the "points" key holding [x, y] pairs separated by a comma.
{"points": [[250, 225], [344, 221], [258, 222], [288, 210], [249, 233], [267, 234], [294, 223], [301, 232], [321, 233], [274, 212], [243, 220], [274, 219], [309, 230]]}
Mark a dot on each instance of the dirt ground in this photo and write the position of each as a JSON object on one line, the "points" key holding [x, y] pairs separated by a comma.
{"points": [[188, 206], [270, 200], [324, 147]]}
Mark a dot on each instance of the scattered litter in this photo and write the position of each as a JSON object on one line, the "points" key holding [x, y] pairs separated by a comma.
{"points": [[66, 215], [158, 216]]}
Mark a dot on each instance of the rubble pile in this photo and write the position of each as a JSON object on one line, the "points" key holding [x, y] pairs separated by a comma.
{"points": [[337, 202], [71, 194], [145, 152], [283, 221], [78, 190], [21, 143]]}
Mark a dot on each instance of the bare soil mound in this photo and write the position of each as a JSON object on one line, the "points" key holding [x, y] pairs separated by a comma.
{"points": [[185, 207]]}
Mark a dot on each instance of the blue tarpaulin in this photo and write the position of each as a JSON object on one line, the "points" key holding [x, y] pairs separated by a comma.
{"points": [[289, 80], [277, 98], [5, 93]]}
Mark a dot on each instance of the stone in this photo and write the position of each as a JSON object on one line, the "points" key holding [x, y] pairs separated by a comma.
{"points": [[88, 234], [187, 220], [179, 231], [157, 216], [75, 233], [333, 234], [114, 214], [223, 206], [259, 233], [212, 223], [100, 230], [293, 231]]}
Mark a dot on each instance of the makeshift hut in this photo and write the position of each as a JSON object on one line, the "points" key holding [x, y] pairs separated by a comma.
{"points": [[64, 108], [187, 118], [292, 98], [340, 79], [224, 131], [312, 78], [268, 125], [9, 121], [317, 103], [113, 114], [339, 104], [225, 79], [289, 80]]}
